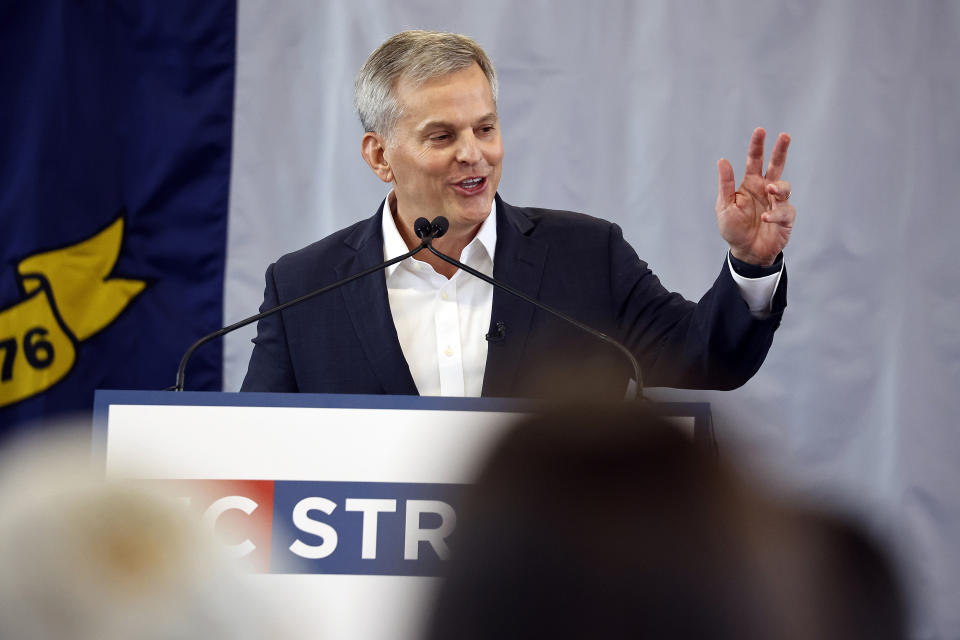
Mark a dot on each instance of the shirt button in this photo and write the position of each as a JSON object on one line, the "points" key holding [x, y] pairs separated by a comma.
{"points": [[445, 296], [448, 351]]}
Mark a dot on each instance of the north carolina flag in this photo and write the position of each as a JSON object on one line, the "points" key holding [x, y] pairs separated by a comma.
{"points": [[115, 162]]}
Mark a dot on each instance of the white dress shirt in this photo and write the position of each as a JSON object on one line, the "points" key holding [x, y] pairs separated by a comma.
{"points": [[442, 324], [757, 292]]}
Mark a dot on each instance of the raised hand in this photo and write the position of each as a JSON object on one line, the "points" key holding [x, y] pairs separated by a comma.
{"points": [[756, 218]]}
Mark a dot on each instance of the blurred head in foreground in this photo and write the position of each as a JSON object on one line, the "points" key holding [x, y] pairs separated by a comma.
{"points": [[612, 524], [84, 558]]}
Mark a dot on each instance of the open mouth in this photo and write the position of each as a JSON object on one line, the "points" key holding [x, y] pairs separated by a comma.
{"points": [[472, 185]]}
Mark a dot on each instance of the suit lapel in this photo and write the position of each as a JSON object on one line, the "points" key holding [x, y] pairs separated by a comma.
{"points": [[369, 309], [519, 262]]}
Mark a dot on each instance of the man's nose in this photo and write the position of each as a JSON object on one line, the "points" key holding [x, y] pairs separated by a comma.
{"points": [[468, 149]]}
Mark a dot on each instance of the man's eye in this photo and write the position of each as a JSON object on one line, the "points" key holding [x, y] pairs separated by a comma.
{"points": [[440, 137]]}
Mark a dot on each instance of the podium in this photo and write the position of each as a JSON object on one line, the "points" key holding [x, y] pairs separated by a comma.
{"points": [[341, 505]]}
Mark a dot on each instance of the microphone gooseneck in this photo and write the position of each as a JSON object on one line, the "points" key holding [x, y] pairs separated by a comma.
{"points": [[181, 370], [441, 224]]}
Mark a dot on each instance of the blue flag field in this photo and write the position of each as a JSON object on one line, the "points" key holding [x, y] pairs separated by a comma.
{"points": [[115, 165]]}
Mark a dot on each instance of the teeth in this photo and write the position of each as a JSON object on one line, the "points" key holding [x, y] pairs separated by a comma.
{"points": [[472, 182]]}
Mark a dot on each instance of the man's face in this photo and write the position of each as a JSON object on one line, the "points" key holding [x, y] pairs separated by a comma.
{"points": [[445, 151]]}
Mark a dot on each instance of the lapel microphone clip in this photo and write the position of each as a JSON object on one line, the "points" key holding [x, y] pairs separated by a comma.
{"points": [[498, 333]]}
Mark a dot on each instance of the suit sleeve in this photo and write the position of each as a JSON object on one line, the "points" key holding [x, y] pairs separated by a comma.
{"points": [[712, 344], [270, 368]]}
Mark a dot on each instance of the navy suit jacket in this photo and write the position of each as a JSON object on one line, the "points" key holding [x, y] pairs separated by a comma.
{"points": [[345, 341]]}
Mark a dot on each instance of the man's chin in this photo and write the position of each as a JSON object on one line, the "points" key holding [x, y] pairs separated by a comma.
{"points": [[470, 216]]}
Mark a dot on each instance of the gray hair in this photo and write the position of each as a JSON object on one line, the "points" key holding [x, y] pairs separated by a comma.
{"points": [[416, 56]]}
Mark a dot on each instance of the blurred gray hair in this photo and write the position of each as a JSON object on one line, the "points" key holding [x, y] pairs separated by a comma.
{"points": [[84, 557], [416, 56]]}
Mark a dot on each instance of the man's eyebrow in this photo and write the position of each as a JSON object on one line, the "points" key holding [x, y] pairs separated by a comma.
{"points": [[433, 124], [442, 124]]}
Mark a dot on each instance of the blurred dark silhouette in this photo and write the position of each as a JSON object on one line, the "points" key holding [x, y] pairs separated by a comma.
{"points": [[609, 523]]}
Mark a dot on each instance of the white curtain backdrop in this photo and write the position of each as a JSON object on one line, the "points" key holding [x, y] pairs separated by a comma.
{"points": [[621, 109]]}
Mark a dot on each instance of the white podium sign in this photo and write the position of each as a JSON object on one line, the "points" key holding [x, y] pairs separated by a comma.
{"points": [[341, 505]]}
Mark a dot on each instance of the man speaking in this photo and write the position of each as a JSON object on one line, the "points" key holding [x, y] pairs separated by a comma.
{"points": [[428, 105]]}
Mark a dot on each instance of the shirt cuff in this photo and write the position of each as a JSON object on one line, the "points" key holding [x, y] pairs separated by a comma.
{"points": [[757, 284]]}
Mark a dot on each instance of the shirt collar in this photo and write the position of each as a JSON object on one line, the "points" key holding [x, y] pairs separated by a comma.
{"points": [[393, 244]]}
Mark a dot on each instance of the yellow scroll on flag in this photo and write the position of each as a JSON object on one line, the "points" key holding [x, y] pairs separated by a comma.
{"points": [[69, 297]]}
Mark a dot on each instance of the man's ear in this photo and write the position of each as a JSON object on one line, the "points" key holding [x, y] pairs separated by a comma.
{"points": [[373, 148]]}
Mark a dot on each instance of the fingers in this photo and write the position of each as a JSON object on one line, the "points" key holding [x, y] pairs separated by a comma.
{"points": [[727, 184], [778, 191], [783, 214], [778, 158], [755, 152]]}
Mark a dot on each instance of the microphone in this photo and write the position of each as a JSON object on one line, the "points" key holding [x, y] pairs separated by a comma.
{"points": [[421, 227], [440, 225], [430, 230], [426, 231]]}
